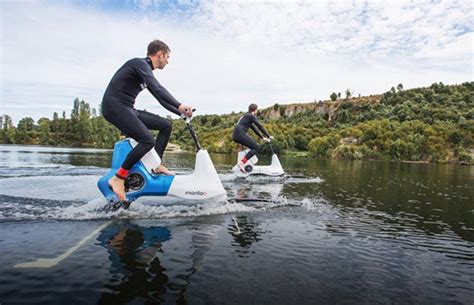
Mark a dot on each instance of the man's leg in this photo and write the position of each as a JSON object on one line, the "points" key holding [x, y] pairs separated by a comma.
{"points": [[244, 139], [250, 143], [155, 122], [126, 119]]}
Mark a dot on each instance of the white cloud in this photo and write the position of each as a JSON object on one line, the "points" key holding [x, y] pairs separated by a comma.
{"points": [[226, 55]]}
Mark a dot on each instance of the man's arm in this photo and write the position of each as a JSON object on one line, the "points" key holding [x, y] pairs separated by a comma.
{"points": [[158, 91], [260, 126], [256, 131]]}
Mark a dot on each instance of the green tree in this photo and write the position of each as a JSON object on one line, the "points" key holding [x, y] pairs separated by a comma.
{"points": [[282, 111], [56, 129], [203, 120], [216, 120], [333, 96], [76, 110], [104, 133], [44, 131], [322, 146], [26, 124], [9, 130], [24, 128], [83, 125], [348, 93]]}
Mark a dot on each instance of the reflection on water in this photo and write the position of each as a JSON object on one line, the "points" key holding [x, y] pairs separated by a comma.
{"points": [[245, 232], [143, 269], [136, 269], [368, 232], [259, 188], [436, 196]]}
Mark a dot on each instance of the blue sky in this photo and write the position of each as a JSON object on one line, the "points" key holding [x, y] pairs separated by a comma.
{"points": [[226, 55]]}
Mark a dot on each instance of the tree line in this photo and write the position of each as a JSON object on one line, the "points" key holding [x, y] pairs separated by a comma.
{"points": [[82, 128], [432, 124]]}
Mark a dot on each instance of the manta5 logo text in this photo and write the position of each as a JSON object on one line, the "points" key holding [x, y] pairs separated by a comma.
{"points": [[195, 193]]}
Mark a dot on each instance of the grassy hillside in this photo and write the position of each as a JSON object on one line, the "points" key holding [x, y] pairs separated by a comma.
{"points": [[433, 124]]}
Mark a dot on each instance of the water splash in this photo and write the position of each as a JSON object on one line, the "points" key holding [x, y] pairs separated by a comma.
{"points": [[77, 198]]}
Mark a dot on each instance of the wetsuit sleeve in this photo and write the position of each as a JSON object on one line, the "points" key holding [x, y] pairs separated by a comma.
{"points": [[260, 126], [158, 91], [256, 131]]}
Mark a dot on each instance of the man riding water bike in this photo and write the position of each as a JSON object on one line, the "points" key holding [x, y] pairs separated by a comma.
{"points": [[118, 108], [239, 135]]}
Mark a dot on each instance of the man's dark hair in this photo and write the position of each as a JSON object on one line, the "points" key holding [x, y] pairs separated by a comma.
{"points": [[252, 107], [156, 46]]}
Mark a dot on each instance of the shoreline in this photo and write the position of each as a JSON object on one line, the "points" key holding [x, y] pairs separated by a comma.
{"points": [[174, 148]]}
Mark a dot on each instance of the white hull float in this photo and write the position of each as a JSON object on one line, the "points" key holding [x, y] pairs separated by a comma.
{"points": [[274, 169]]}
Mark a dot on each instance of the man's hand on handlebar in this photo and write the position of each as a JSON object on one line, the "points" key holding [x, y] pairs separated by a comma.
{"points": [[187, 110], [268, 140]]}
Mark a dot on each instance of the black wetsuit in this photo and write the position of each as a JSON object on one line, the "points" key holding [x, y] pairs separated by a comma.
{"points": [[240, 136], [117, 108]]}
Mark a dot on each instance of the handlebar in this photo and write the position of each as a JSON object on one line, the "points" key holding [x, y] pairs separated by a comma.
{"points": [[187, 119]]}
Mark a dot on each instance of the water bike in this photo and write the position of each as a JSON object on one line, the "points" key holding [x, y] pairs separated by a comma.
{"points": [[274, 169], [202, 184]]}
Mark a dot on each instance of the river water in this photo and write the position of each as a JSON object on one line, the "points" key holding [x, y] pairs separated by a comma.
{"points": [[350, 233]]}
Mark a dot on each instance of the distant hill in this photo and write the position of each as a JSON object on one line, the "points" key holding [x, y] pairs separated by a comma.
{"points": [[431, 124]]}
